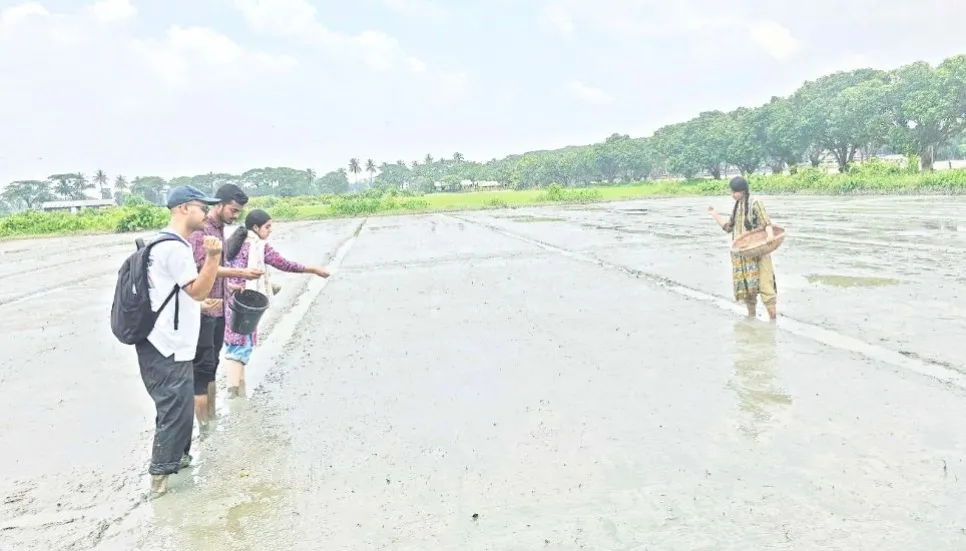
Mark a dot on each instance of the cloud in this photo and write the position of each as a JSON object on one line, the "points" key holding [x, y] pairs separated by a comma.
{"points": [[297, 19], [122, 93], [767, 35], [776, 40], [424, 9], [187, 54], [558, 18], [14, 15], [110, 11], [588, 94], [181, 55], [700, 22]]}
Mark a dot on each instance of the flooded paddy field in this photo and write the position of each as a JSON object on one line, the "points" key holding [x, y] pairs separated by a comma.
{"points": [[545, 378]]}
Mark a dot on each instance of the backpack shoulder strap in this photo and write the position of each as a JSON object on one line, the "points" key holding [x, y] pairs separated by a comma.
{"points": [[174, 294], [146, 248], [162, 237]]}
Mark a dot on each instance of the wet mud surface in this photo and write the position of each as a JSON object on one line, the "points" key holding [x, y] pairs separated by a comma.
{"points": [[553, 378]]}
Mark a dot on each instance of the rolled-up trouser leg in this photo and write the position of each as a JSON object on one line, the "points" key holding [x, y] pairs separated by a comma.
{"points": [[767, 287], [171, 385]]}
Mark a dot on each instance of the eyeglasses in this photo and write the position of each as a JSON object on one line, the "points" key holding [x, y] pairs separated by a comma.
{"points": [[204, 208]]}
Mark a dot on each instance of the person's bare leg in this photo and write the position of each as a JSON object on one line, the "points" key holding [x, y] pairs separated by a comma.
{"points": [[235, 372], [752, 305], [211, 400], [772, 312], [201, 411]]}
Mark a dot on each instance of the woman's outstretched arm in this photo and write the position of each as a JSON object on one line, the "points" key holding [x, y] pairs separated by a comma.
{"points": [[722, 221]]}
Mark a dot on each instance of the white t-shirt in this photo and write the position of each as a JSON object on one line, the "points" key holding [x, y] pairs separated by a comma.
{"points": [[172, 263]]}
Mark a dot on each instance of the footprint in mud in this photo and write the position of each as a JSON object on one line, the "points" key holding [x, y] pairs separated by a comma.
{"points": [[17, 501]]}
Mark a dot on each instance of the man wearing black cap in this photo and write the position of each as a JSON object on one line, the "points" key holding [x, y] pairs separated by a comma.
{"points": [[166, 357], [231, 201]]}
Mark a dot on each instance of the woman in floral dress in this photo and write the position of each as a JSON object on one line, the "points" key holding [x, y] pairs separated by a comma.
{"points": [[248, 248], [750, 277]]}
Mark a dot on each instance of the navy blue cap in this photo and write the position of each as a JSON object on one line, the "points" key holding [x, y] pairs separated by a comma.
{"points": [[185, 194]]}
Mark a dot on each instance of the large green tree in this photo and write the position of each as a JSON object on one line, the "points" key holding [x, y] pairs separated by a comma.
{"points": [[150, 188], [838, 119], [785, 139], [928, 107], [745, 139], [27, 194], [336, 182]]}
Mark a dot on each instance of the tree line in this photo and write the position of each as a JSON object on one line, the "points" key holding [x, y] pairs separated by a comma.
{"points": [[918, 111]]}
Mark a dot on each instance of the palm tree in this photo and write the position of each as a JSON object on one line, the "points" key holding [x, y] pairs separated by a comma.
{"points": [[310, 176], [458, 157], [371, 169], [355, 168], [101, 180], [60, 184], [415, 165], [79, 186], [120, 189], [429, 159]]}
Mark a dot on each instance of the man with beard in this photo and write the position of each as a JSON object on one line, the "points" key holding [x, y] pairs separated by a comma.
{"points": [[212, 336], [157, 305]]}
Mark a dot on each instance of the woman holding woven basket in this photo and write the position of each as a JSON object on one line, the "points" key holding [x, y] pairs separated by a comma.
{"points": [[755, 275]]}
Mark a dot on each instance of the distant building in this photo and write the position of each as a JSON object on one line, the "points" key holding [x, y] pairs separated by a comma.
{"points": [[76, 206], [467, 184]]}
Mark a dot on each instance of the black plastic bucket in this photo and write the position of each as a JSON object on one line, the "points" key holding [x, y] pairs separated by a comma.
{"points": [[247, 308]]}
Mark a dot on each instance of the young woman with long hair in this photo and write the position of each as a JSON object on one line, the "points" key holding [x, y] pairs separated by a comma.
{"points": [[248, 248], [750, 277]]}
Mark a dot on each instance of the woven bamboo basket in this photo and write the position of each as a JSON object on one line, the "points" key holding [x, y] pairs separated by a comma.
{"points": [[754, 243]]}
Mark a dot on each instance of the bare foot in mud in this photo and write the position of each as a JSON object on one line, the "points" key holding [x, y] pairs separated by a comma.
{"points": [[204, 429], [159, 485]]}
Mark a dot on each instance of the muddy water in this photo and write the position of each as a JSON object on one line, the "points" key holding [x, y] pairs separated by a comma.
{"points": [[75, 419], [565, 378]]}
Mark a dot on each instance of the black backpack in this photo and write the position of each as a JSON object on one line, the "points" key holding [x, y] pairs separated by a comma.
{"points": [[132, 318]]}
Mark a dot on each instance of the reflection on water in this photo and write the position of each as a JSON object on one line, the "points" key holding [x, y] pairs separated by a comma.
{"points": [[755, 374], [231, 500], [228, 519], [851, 281]]}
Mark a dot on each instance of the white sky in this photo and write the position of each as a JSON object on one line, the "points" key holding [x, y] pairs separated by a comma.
{"points": [[182, 87]]}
